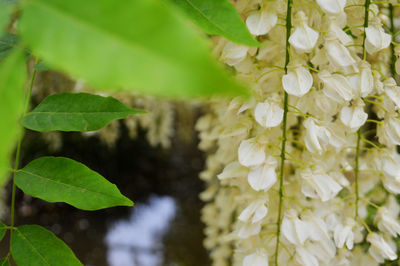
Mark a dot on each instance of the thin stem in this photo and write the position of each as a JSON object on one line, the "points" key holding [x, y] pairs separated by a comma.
{"points": [[356, 5], [371, 204], [18, 152], [365, 225], [371, 143], [356, 171], [357, 157], [374, 121], [377, 104], [393, 56], [283, 147], [311, 68], [366, 20]]}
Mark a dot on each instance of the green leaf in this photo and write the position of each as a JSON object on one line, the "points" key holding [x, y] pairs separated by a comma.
{"points": [[3, 230], [58, 179], [5, 262], [5, 13], [76, 112], [33, 245], [7, 42], [41, 66], [12, 77], [141, 45], [217, 17]]}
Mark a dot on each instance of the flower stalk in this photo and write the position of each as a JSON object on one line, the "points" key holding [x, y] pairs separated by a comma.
{"points": [[392, 32], [283, 147], [356, 169]]}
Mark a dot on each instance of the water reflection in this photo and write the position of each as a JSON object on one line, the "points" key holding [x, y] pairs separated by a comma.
{"points": [[140, 172], [138, 240]]}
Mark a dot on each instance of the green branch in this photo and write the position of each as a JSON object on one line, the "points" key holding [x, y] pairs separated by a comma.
{"points": [[283, 148], [18, 152]]}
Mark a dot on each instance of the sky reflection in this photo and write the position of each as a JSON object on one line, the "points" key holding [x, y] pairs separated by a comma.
{"points": [[138, 241]]}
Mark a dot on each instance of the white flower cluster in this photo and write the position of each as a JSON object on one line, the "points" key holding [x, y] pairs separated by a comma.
{"points": [[305, 172]]}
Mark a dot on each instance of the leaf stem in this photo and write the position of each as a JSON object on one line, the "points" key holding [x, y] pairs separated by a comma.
{"points": [[283, 147], [18, 152]]}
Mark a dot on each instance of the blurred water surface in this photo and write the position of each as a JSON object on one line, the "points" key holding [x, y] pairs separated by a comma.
{"points": [[163, 228]]}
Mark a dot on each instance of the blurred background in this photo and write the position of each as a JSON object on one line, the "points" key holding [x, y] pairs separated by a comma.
{"points": [[156, 165]]}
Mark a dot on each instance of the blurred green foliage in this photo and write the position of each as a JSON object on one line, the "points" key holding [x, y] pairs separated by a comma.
{"points": [[217, 17], [140, 45]]}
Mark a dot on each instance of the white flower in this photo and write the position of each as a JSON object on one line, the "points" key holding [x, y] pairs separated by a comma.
{"points": [[354, 117], [337, 53], [320, 229], [233, 54], [380, 249], [337, 31], [377, 39], [232, 170], [295, 230], [340, 178], [366, 80], [387, 222], [336, 86], [261, 22], [248, 229], [298, 81], [317, 137], [391, 126], [323, 105], [258, 258], [389, 164], [268, 114], [305, 257], [255, 212], [251, 152], [343, 234], [392, 91], [332, 7], [263, 177], [303, 38], [391, 185], [319, 184]]}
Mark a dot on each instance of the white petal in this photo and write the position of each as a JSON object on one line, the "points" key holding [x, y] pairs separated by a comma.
{"points": [[261, 22], [336, 86], [263, 177], [317, 137], [260, 213], [353, 117], [305, 258], [304, 39], [233, 54], [256, 209], [332, 7], [297, 82], [366, 79], [256, 259], [288, 230], [234, 169], [268, 114], [249, 229], [380, 247], [338, 54], [377, 39], [251, 153]]}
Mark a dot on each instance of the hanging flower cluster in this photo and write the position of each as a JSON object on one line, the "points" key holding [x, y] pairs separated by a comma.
{"points": [[305, 172]]}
